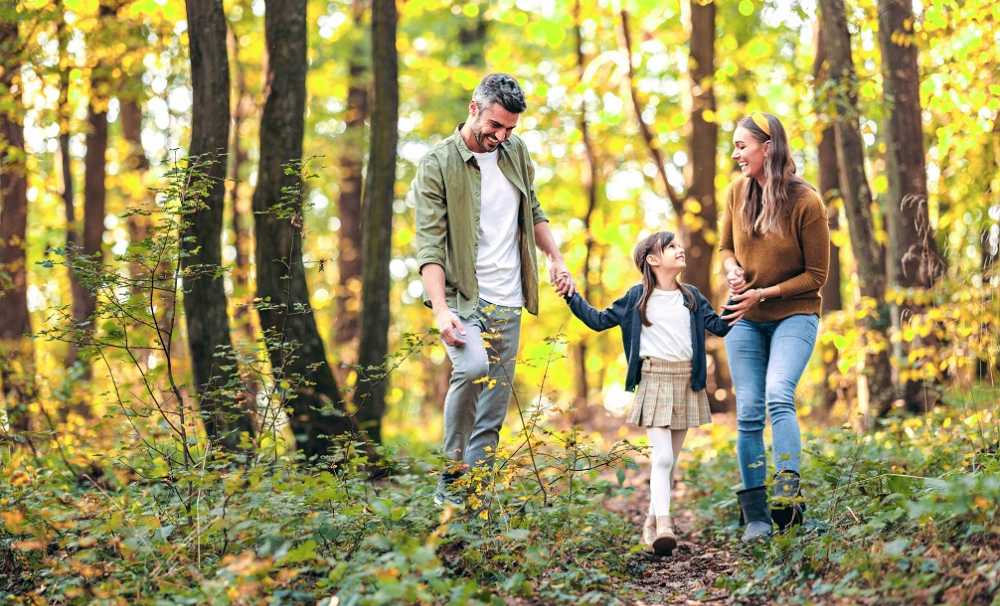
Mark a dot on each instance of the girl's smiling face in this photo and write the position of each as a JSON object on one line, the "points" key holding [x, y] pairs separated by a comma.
{"points": [[749, 153], [671, 257]]}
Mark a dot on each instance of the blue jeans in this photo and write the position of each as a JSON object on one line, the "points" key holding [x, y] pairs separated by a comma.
{"points": [[767, 360]]}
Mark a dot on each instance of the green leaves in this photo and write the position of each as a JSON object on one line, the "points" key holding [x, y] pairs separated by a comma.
{"points": [[886, 510]]}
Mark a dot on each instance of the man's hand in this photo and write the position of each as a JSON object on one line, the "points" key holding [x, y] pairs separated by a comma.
{"points": [[558, 274], [740, 303], [561, 278], [450, 327]]}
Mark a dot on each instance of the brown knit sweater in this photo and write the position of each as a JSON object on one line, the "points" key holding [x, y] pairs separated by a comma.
{"points": [[796, 261]]}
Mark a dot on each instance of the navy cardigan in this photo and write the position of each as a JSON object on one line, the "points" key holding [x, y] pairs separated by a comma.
{"points": [[625, 313]]}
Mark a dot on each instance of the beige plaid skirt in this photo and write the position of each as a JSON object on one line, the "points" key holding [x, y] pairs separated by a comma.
{"points": [[664, 397]]}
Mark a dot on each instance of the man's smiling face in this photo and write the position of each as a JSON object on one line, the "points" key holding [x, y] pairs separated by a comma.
{"points": [[490, 126]]}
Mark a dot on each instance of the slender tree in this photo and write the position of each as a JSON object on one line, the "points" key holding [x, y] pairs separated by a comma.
{"points": [[989, 251], [472, 36], [591, 184], [136, 162], [17, 355], [829, 175], [243, 107], [829, 187], [988, 237], [703, 140], [913, 257], [294, 346], [377, 236], [205, 305], [841, 102], [349, 261], [89, 243], [65, 160]]}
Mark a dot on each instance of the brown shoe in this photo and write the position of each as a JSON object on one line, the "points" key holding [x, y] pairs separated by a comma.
{"points": [[649, 530], [665, 540]]}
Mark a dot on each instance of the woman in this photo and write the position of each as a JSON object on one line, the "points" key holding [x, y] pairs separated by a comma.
{"points": [[775, 248]]}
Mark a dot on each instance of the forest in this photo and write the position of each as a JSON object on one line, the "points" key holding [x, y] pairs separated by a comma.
{"points": [[219, 383]]}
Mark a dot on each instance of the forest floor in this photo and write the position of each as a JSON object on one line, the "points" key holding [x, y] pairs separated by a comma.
{"points": [[688, 575], [907, 514]]}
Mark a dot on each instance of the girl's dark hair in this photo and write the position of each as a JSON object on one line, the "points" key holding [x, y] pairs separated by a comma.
{"points": [[654, 245], [765, 209]]}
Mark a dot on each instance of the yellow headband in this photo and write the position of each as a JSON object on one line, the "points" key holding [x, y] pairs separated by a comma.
{"points": [[761, 121]]}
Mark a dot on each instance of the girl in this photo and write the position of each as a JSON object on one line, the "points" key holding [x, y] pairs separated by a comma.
{"points": [[663, 325], [775, 246]]}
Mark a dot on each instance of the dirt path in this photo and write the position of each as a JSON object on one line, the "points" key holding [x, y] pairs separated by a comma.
{"points": [[689, 574]]}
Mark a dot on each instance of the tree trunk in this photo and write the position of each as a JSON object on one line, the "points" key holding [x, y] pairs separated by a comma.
{"points": [[377, 237], [700, 214], [17, 354], [349, 261], [238, 157], [294, 346], [130, 114], [239, 205], [582, 412], [913, 256], [94, 199], [829, 178], [829, 188], [65, 161], [213, 360], [472, 36], [989, 248], [842, 104], [914, 261], [702, 141]]}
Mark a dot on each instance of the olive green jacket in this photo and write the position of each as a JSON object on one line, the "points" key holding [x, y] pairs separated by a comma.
{"points": [[446, 194]]}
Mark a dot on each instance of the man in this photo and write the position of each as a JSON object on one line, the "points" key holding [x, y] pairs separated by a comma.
{"points": [[478, 222]]}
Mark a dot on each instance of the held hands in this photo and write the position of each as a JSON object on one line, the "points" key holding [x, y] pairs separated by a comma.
{"points": [[561, 278], [739, 303], [450, 326], [735, 279]]}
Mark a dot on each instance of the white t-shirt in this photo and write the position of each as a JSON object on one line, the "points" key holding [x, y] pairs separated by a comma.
{"points": [[669, 338], [498, 265]]}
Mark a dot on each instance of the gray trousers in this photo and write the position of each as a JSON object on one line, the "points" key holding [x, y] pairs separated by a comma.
{"points": [[482, 379]]}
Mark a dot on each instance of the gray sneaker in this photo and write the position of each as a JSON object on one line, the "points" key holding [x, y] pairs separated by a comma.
{"points": [[446, 494]]}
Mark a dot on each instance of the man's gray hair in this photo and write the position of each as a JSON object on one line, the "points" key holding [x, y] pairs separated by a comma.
{"points": [[502, 89]]}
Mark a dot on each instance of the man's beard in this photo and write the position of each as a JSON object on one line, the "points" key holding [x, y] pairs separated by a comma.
{"points": [[482, 139], [486, 142]]}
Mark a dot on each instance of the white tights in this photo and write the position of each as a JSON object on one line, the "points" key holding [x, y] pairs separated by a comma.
{"points": [[666, 447]]}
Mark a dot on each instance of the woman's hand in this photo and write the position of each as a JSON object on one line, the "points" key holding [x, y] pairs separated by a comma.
{"points": [[740, 303], [735, 279]]}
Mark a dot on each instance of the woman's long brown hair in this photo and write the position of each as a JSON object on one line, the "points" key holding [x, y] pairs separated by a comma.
{"points": [[654, 245], [765, 209]]}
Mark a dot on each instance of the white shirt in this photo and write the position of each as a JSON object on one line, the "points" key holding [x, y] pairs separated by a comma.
{"points": [[498, 265], [669, 338]]}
